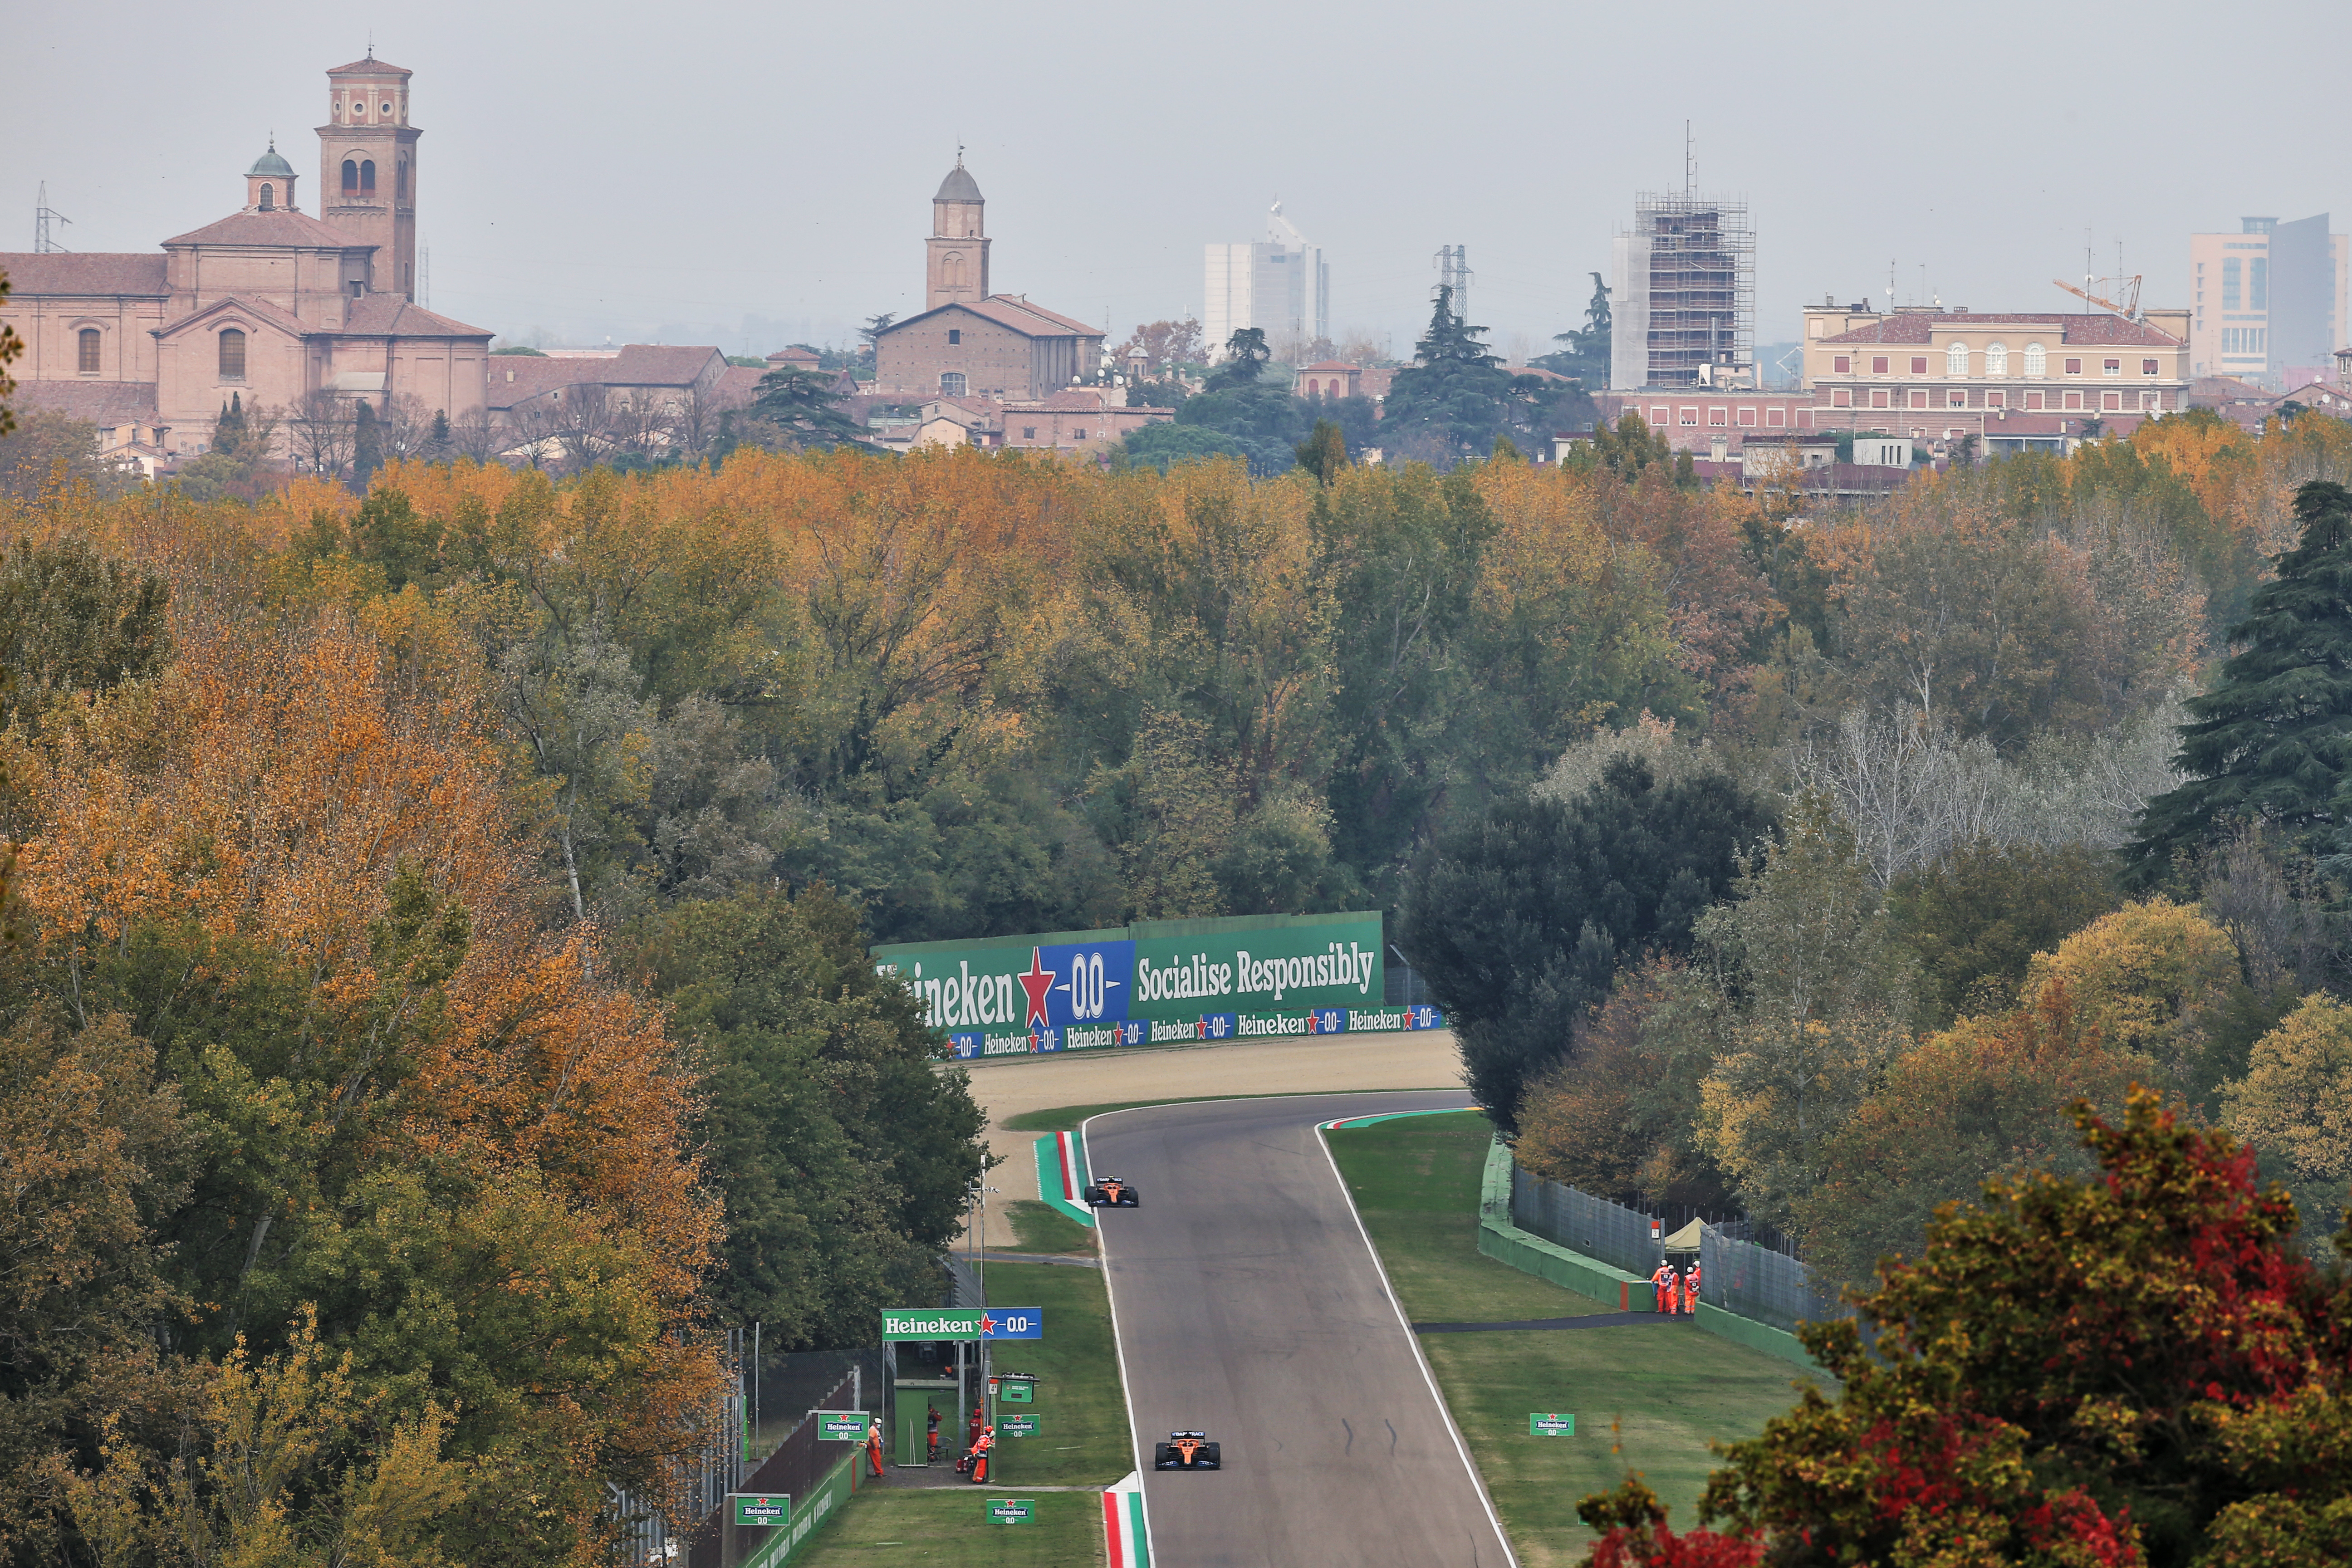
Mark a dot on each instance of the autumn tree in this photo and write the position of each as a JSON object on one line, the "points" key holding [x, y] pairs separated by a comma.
{"points": [[2130, 1368]]}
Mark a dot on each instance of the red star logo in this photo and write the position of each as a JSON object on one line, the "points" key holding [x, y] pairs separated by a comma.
{"points": [[1201, 1030], [987, 1325], [1037, 983]]}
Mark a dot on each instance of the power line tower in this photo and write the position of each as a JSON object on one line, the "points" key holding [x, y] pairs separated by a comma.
{"points": [[1453, 272], [44, 242]]}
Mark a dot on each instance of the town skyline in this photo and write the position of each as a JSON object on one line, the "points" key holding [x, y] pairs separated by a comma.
{"points": [[540, 215]]}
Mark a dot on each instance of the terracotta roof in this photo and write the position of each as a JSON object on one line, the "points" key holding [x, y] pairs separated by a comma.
{"points": [[1919, 327], [370, 63], [637, 364], [1012, 303], [737, 386], [1332, 364], [100, 402], [278, 228], [795, 357], [93, 272], [389, 315], [661, 364]]}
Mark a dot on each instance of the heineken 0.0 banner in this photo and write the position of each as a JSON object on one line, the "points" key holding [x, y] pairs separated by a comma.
{"points": [[1155, 983]]}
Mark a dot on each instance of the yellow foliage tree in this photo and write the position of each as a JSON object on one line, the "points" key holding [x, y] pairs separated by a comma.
{"points": [[2296, 1096], [2148, 980]]}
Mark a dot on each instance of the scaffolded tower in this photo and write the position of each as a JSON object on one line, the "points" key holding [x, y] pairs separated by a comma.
{"points": [[1690, 266]]}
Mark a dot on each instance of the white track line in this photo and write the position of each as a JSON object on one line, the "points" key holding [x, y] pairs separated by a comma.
{"points": [[1405, 1323], [1119, 1350]]}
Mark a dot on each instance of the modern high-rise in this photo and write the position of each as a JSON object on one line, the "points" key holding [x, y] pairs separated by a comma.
{"points": [[2269, 299], [1280, 285], [1682, 307]]}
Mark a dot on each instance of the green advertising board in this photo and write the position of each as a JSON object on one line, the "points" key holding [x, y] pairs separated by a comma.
{"points": [[1543, 1425], [1012, 1511], [1017, 1393], [765, 1509], [1157, 981], [1016, 1425], [841, 1425]]}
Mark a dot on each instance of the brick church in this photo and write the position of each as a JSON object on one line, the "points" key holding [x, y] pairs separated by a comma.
{"points": [[268, 304], [968, 343]]}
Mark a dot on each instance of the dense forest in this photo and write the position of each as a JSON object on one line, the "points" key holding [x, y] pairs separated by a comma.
{"points": [[432, 925]]}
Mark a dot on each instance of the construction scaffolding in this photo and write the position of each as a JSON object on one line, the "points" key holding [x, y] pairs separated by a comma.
{"points": [[1701, 287]]}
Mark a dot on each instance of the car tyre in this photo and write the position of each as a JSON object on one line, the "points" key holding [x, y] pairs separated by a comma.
{"points": [[1163, 1456]]}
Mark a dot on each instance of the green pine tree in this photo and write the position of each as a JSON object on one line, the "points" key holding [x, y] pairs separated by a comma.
{"points": [[1324, 452], [1247, 354], [367, 447], [229, 430], [2273, 741]]}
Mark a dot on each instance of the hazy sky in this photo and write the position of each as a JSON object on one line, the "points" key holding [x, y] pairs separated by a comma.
{"points": [[599, 168]]}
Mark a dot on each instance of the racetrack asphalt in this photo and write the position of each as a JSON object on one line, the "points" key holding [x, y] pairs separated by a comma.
{"points": [[1248, 1304]]}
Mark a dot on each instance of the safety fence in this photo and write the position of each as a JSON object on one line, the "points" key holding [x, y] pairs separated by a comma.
{"points": [[1736, 1275], [799, 1463]]}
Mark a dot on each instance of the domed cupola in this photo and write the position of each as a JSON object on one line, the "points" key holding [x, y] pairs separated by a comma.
{"points": [[269, 184]]}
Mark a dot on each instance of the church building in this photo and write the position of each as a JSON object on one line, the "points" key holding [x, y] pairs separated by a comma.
{"points": [[968, 343], [268, 304]]}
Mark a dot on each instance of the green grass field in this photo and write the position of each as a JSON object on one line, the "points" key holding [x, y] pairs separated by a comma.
{"points": [[1668, 1390], [1038, 1228], [884, 1527], [1081, 1409]]}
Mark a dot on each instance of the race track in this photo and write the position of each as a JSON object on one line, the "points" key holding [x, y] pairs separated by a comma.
{"points": [[1248, 1304]]}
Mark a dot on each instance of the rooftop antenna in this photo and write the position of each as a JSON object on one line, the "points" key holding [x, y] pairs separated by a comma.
{"points": [[44, 243], [1690, 162]]}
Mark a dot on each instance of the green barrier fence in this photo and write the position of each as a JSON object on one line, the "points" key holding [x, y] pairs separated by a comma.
{"points": [[809, 1516], [1530, 1254]]}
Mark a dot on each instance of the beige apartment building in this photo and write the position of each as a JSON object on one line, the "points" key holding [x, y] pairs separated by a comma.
{"points": [[1934, 365]]}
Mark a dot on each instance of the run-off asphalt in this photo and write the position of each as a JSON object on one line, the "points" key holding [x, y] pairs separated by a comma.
{"points": [[1249, 1305]]}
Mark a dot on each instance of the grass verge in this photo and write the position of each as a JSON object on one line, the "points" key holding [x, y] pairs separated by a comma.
{"points": [[1081, 1409], [1649, 1398], [1038, 1228], [890, 1526]]}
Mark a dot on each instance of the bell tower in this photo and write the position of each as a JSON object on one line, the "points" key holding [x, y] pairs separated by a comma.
{"points": [[956, 255], [367, 168]]}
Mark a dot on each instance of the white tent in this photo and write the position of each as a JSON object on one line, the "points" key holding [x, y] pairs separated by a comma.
{"points": [[1686, 1238]]}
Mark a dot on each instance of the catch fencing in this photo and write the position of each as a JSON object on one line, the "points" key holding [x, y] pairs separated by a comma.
{"points": [[1741, 1278], [796, 1467]]}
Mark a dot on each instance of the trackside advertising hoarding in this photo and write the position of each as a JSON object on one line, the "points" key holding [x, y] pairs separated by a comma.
{"points": [[1155, 983]]}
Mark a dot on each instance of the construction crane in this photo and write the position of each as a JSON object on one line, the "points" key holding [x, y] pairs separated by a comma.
{"points": [[2127, 287]]}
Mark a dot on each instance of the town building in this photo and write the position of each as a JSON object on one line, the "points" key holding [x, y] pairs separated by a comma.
{"points": [[1281, 285], [268, 305], [1948, 374], [1331, 378], [968, 343], [2268, 303]]}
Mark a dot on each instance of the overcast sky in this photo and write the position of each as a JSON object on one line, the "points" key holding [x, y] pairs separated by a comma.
{"points": [[753, 173]]}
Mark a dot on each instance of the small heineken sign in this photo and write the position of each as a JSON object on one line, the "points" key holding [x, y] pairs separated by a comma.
{"points": [[1016, 1427], [1012, 1510], [762, 1508], [1542, 1424], [1017, 1393], [841, 1425]]}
